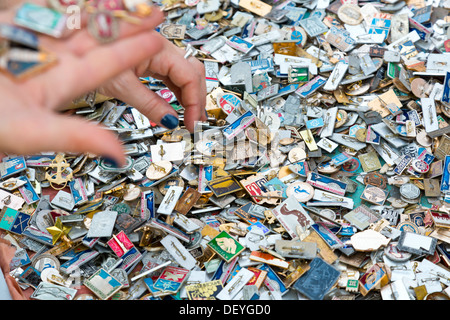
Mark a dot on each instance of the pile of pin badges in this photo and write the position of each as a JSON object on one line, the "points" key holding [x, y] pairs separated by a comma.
{"points": [[325, 156]]}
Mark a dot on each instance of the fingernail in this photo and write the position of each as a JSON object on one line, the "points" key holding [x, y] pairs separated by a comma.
{"points": [[169, 121], [206, 114], [111, 162]]}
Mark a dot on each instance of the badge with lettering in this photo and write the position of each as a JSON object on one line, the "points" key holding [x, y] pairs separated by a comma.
{"points": [[204, 291]]}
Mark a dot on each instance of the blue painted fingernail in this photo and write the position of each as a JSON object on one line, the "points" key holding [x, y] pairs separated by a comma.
{"points": [[206, 114], [169, 121], [110, 162]]}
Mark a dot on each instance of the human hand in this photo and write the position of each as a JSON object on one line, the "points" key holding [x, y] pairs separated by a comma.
{"points": [[29, 121], [184, 77]]}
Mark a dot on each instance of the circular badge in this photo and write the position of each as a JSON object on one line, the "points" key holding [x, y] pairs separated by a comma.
{"points": [[214, 16], [251, 134], [191, 3], [327, 168], [351, 165], [296, 154], [393, 253], [341, 118], [328, 213], [375, 179], [228, 102], [164, 186], [158, 170], [350, 14], [361, 135], [48, 272], [62, 5], [410, 191], [103, 26], [108, 167], [194, 240], [286, 141], [121, 208], [418, 87], [44, 261], [374, 194], [423, 139], [302, 191], [132, 192], [85, 296], [356, 89], [298, 34], [420, 166], [407, 226]]}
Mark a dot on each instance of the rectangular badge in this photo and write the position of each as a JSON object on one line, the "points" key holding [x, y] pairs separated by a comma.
{"points": [[310, 287], [78, 190], [326, 183], [445, 180], [180, 254], [170, 200], [147, 205], [12, 166], [120, 244], [205, 174], [327, 235], [27, 191], [292, 216], [103, 284], [226, 246], [310, 87], [187, 201], [446, 92], [361, 217], [223, 186], [41, 19], [171, 279]]}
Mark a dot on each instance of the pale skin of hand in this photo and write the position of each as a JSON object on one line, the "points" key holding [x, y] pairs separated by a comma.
{"points": [[30, 122]]}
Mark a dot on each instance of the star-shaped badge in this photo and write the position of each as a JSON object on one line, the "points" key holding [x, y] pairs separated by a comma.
{"points": [[59, 231]]}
